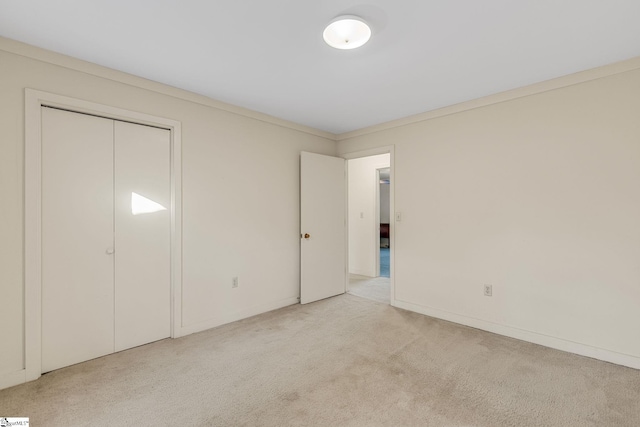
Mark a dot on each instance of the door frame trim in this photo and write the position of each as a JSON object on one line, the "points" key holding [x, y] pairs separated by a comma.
{"points": [[34, 101], [390, 149]]}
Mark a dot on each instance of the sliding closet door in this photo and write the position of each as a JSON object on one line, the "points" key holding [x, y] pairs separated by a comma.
{"points": [[77, 238], [142, 226]]}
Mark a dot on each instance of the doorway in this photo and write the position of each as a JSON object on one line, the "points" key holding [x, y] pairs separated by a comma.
{"points": [[123, 122], [384, 180], [369, 224]]}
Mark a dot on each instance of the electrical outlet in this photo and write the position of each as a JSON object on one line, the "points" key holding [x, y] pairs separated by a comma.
{"points": [[488, 290], [234, 282]]}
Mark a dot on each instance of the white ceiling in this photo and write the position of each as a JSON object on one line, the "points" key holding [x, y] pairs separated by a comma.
{"points": [[269, 56]]}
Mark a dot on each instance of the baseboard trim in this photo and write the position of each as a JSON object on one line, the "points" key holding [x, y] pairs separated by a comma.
{"points": [[366, 274], [524, 335], [13, 378], [235, 316], [20, 377]]}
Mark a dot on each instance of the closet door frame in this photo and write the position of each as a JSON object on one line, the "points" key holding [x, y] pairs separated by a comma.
{"points": [[34, 101]]}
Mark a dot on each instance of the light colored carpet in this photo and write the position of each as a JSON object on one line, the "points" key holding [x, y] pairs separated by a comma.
{"points": [[344, 361], [375, 288]]}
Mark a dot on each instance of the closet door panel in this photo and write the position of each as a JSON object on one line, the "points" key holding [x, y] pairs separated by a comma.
{"points": [[77, 238], [142, 229]]}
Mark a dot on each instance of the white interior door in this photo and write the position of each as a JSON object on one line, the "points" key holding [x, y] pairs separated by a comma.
{"points": [[77, 238], [142, 235], [106, 224], [323, 227]]}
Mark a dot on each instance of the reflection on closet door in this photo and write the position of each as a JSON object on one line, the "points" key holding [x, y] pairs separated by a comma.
{"points": [[77, 238], [142, 230]]}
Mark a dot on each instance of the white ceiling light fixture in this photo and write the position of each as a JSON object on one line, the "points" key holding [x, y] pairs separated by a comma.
{"points": [[347, 32]]}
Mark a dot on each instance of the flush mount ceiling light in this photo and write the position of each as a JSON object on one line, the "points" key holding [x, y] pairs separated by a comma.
{"points": [[347, 32]]}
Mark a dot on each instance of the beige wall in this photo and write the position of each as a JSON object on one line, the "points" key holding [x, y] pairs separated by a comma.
{"points": [[538, 196], [385, 194], [240, 192]]}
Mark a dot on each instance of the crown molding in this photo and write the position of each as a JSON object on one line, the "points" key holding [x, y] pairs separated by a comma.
{"points": [[521, 92], [43, 55], [39, 54]]}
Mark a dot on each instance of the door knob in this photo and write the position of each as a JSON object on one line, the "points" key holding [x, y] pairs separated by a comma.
{"points": [[307, 235], [109, 251]]}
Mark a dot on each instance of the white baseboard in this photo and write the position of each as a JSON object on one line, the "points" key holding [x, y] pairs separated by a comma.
{"points": [[19, 377], [364, 273], [524, 335], [234, 316], [13, 378]]}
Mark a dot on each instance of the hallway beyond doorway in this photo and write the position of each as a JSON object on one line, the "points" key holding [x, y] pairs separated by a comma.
{"points": [[373, 288], [384, 262]]}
